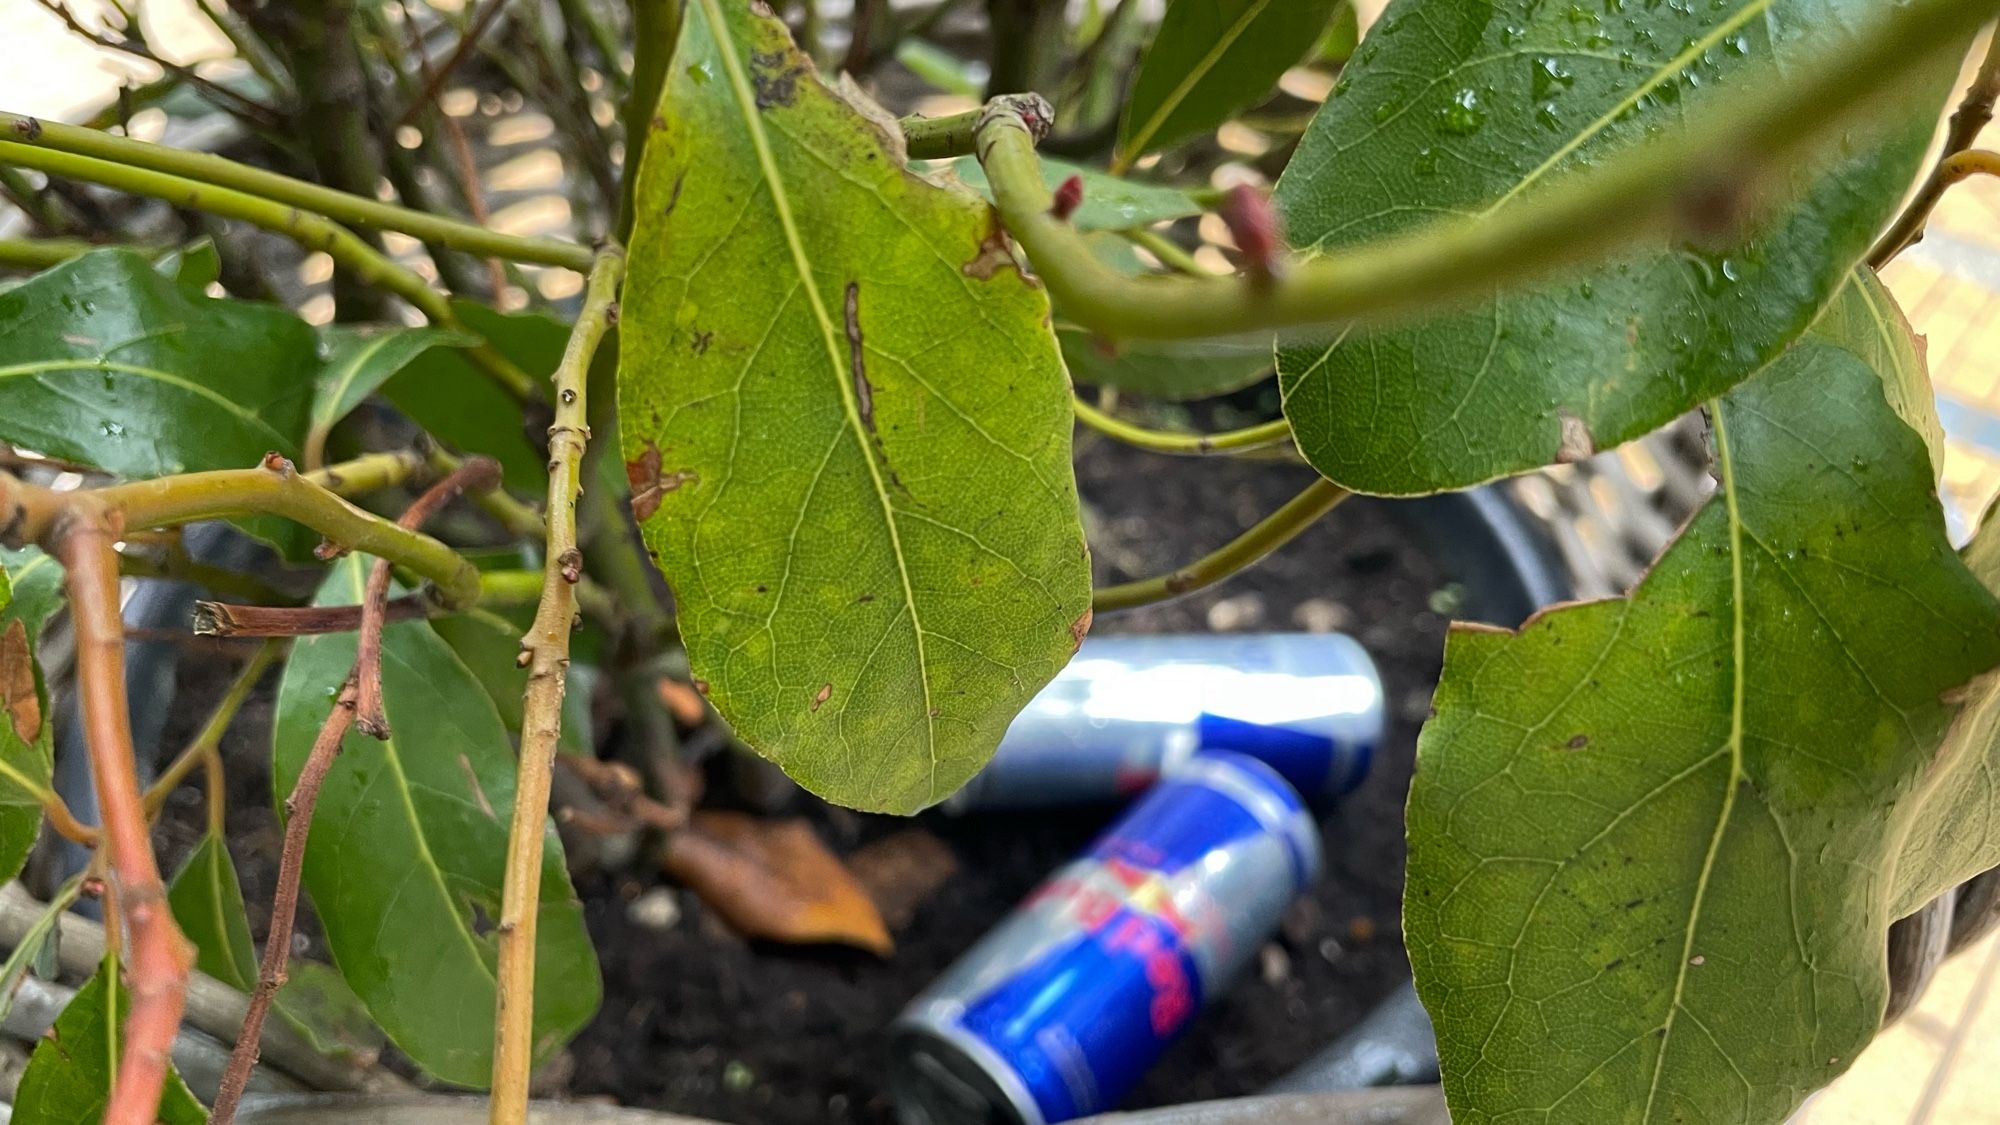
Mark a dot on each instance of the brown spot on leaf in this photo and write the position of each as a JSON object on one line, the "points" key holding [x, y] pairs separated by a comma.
{"points": [[776, 77], [17, 683], [1079, 628], [1576, 443], [1578, 742], [857, 359], [995, 254], [820, 697], [649, 484]]}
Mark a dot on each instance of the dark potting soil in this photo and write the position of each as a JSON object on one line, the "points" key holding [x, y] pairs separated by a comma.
{"points": [[700, 1021]]}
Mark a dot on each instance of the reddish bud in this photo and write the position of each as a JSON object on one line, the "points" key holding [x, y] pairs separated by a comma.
{"points": [[1068, 198], [1254, 224]]}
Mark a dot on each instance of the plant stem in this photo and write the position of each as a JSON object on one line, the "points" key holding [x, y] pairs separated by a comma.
{"points": [[941, 138], [1692, 184], [284, 903], [1973, 114], [434, 80], [656, 32], [276, 489], [1271, 533], [546, 648], [1167, 251], [160, 958], [54, 807], [359, 703], [338, 205], [206, 747], [476, 474], [1028, 40], [175, 565], [1185, 445], [370, 472], [41, 253], [314, 232]]}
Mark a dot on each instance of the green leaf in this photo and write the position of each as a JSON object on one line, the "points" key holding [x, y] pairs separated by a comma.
{"points": [[488, 642], [405, 858], [104, 361], [1210, 60], [1109, 202], [37, 944], [30, 592], [1455, 108], [1176, 371], [318, 1004], [193, 267], [357, 361], [848, 430], [68, 1078], [207, 902], [444, 393], [1343, 35], [1654, 841]]}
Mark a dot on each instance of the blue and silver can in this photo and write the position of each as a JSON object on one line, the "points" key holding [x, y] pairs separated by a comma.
{"points": [[1127, 709], [1057, 1013]]}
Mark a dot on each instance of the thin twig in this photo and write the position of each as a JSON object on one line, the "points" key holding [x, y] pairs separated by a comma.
{"points": [[226, 619], [206, 747], [545, 652], [312, 231], [357, 704], [1698, 182], [284, 903], [434, 82], [1260, 436], [275, 488], [222, 96], [477, 473], [1271, 533], [320, 200], [1974, 111], [159, 958], [454, 135]]}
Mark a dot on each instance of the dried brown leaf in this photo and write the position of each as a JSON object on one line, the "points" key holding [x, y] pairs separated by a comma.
{"points": [[774, 880], [17, 682]]}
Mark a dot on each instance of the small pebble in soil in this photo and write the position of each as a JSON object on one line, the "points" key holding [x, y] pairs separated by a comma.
{"points": [[1360, 930], [1230, 615], [657, 909], [1275, 964], [1331, 951], [738, 1077], [1322, 615]]}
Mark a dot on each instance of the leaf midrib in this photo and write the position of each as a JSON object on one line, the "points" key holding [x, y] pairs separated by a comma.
{"points": [[745, 100], [1194, 77], [43, 367], [1672, 68], [326, 411], [1739, 679]]}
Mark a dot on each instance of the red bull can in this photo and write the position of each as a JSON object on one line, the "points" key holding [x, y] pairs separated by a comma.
{"points": [[1057, 1013], [1127, 709]]}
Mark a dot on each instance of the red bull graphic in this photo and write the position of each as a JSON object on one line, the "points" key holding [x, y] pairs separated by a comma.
{"points": [[1058, 1012]]}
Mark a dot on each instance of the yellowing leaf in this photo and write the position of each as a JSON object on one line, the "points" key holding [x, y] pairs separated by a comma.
{"points": [[848, 427]]}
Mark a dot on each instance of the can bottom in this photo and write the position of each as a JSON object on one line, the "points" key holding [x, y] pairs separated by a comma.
{"points": [[936, 1078]]}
